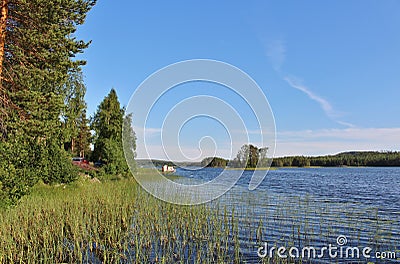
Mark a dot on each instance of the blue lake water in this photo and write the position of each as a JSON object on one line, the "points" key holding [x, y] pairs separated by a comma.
{"points": [[299, 207]]}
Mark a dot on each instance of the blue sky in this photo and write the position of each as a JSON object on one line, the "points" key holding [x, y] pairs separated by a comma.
{"points": [[330, 69]]}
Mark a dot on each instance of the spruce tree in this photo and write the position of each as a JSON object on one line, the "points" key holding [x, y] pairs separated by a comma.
{"points": [[107, 124]]}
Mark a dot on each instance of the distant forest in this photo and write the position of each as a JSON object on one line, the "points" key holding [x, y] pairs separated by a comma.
{"points": [[354, 159]]}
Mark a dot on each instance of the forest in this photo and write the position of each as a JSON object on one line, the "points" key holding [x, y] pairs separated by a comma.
{"points": [[354, 158], [43, 119], [67, 191], [214, 162], [250, 156]]}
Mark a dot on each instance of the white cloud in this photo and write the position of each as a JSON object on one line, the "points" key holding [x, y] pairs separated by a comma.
{"points": [[324, 104], [331, 141], [345, 123], [149, 131], [305, 142], [276, 52]]}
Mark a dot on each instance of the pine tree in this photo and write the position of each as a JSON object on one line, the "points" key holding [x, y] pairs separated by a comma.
{"points": [[37, 50], [38, 57]]}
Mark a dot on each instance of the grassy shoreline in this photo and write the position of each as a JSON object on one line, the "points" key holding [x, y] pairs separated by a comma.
{"points": [[116, 221], [110, 222]]}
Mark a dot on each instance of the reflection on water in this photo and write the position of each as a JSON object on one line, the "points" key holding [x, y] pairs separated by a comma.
{"points": [[312, 207]]}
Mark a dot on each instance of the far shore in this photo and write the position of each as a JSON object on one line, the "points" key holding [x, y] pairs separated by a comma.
{"points": [[249, 169]]}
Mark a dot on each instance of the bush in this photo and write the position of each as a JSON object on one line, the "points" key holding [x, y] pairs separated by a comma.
{"points": [[113, 156], [23, 163], [59, 166], [14, 184]]}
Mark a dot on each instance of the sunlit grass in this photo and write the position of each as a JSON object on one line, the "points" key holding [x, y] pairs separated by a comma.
{"points": [[109, 222], [118, 222]]}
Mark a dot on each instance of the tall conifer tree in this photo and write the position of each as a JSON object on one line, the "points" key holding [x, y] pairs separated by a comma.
{"points": [[37, 50], [107, 124]]}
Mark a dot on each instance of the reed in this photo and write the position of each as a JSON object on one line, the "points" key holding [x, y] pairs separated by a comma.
{"points": [[118, 222], [114, 221]]}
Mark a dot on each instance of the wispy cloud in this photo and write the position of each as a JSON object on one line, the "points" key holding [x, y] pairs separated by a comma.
{"points": [[148, 131], [330, 141], [325, 105], [276, 52], [353, 134], [345, 123], [304, 142]]}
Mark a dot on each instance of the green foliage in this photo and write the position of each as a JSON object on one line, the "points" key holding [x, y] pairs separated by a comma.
{"points": [[38, 74], [17, 171], [214, 162], [368, 158], [113, 156], [14, 183], [23, 163], [242, 157], [83, 140], [250, 156], [129, 142], [59, 169], [108, 146], [110, 222], [75, 130], [108, 119]]}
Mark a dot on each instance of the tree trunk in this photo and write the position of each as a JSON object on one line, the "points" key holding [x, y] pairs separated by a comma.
{"points": [[3, 28], [3, 96], [72, 145]]}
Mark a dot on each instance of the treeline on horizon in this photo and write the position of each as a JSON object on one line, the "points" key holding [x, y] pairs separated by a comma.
{"points": [[351, 159]]}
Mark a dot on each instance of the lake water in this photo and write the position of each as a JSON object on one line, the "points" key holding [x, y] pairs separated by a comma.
{"points": [[312, 207]]}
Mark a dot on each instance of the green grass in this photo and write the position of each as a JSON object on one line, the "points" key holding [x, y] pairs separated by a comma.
{"points": [[112, 221], [117, 221], [153, 175]]}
